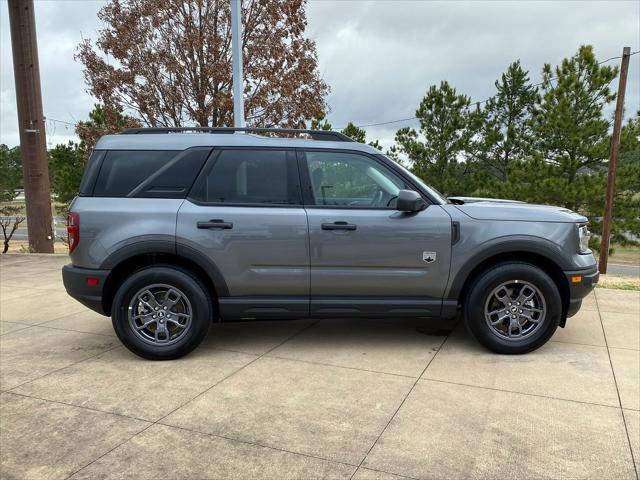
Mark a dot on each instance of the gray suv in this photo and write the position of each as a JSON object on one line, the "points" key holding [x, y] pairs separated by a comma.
{"points": [[176, 228]]}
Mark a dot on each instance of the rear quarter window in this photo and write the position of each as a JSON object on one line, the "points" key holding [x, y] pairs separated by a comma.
{"points": [[123, 170]]}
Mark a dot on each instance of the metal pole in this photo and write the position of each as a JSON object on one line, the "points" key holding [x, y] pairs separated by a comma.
{"points": [[33, 144], [236, 56], [613, 159]]}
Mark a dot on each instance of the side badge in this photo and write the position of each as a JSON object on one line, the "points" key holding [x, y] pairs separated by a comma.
{"points": [[429, 257]]}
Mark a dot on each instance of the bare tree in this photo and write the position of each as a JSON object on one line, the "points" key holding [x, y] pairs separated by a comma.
{"points": [[170, 62], [10, 217]]}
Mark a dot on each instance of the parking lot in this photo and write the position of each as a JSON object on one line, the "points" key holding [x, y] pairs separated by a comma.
{"points": [[311, 399]]}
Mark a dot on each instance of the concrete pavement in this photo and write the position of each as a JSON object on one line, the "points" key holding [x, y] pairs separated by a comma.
{"points": [[311, 399]]}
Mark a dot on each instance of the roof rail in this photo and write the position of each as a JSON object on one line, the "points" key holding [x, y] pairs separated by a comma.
{"points": [[326, 135]]}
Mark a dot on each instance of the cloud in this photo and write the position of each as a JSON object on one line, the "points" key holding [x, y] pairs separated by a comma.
{"points": [[379, 57]]}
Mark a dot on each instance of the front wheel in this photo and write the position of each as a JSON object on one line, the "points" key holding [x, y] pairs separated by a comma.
{"points": [[161, 312], [513, 308]]}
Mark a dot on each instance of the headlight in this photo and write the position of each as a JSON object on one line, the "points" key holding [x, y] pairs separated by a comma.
{"points": [[583, 238]]}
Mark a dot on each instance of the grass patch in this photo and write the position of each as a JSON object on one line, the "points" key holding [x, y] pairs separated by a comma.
{"points": [[625, 254], [619, 282]]}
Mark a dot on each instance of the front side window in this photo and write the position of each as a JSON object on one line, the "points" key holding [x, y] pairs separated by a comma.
{"points": [[250, 177], [351, 180]]}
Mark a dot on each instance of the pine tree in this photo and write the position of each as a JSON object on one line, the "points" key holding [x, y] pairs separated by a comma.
{"points": [[442, 151], [570, 130], [506, 134]]}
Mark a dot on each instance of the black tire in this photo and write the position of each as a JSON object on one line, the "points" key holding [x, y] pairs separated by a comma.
{"points": [[197, 296], [492, 278]]}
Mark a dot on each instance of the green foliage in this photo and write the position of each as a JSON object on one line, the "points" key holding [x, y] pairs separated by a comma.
{"points": [[359, 135], [66, 163], [10, 172], [506, 133], [547, 146], [320, 124], [570, 130], [442, 152], [626, 204]]}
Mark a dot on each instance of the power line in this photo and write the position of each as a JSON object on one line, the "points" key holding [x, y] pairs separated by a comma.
{"points": [[60, 121], [476, 104], [389, 122]]}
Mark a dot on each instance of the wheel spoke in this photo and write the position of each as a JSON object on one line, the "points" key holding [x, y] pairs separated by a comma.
{"points": [[501, 316], [524, 296], [145, 324], [168, 302], [514, 323], [505, 298], [176, 323]]}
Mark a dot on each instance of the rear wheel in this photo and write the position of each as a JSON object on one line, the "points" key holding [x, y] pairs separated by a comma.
{"points": [[513, 308], [161, 312]]}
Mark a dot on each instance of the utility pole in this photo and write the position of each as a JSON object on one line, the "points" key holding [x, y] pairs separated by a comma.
{"points": [[613, 159], [33, 145], [236, 57]]}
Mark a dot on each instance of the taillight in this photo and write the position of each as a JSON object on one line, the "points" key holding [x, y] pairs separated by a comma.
{"points": [[73, 230]]}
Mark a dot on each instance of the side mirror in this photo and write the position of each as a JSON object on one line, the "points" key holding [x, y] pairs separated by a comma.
{"points": [[410, 201]]}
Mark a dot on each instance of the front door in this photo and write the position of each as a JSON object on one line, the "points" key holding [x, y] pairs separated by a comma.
{"points": [[245, 215], [367, 258]]}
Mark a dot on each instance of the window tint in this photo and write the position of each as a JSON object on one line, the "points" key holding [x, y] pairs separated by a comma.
{"points": [[174, 179], [351, 180], [91, 172], [123, 170], [250, 177]]}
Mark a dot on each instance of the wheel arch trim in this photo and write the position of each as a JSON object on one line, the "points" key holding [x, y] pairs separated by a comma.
{"points": [[516, 249], [166, 251]]}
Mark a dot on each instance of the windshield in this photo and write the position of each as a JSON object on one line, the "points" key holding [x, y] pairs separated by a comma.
{"points": [[432, 191]]}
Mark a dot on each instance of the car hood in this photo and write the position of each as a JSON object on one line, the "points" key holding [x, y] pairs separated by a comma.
{"points": [[499, 209]]}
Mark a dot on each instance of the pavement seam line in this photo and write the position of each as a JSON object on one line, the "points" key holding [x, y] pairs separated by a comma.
{"points": [[401, 404], [62, 368], [82, 407], [44, 325], [615, 381], [341, 366], [190, 400], [517, 393], [591, 345], [261, 445]]}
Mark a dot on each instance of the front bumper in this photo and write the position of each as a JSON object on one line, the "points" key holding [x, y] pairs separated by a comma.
{"points": [[581, 283], [85, 285]]}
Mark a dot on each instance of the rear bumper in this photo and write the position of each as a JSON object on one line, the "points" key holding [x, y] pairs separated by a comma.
{"points": [[578, 289], [78, 286]]}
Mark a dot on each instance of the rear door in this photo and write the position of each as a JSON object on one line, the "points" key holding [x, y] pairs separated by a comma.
{"points": [[245, 215], [366, 257]]}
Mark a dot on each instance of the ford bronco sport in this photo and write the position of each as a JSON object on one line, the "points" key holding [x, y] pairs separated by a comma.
{"points": [[176, 228]]}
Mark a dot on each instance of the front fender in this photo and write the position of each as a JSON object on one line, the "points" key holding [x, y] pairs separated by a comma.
{"points": [[465, 259]]}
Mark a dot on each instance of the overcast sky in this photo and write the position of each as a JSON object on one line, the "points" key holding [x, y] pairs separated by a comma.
{"points": [[379, 57]]}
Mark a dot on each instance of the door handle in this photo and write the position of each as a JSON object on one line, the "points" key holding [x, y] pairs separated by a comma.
{"points": [[338, 226], [217, 223]]}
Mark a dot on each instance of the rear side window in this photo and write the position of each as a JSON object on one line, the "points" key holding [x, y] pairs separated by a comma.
{"points": [[124, 170], [91, 172], [250, 177]]}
